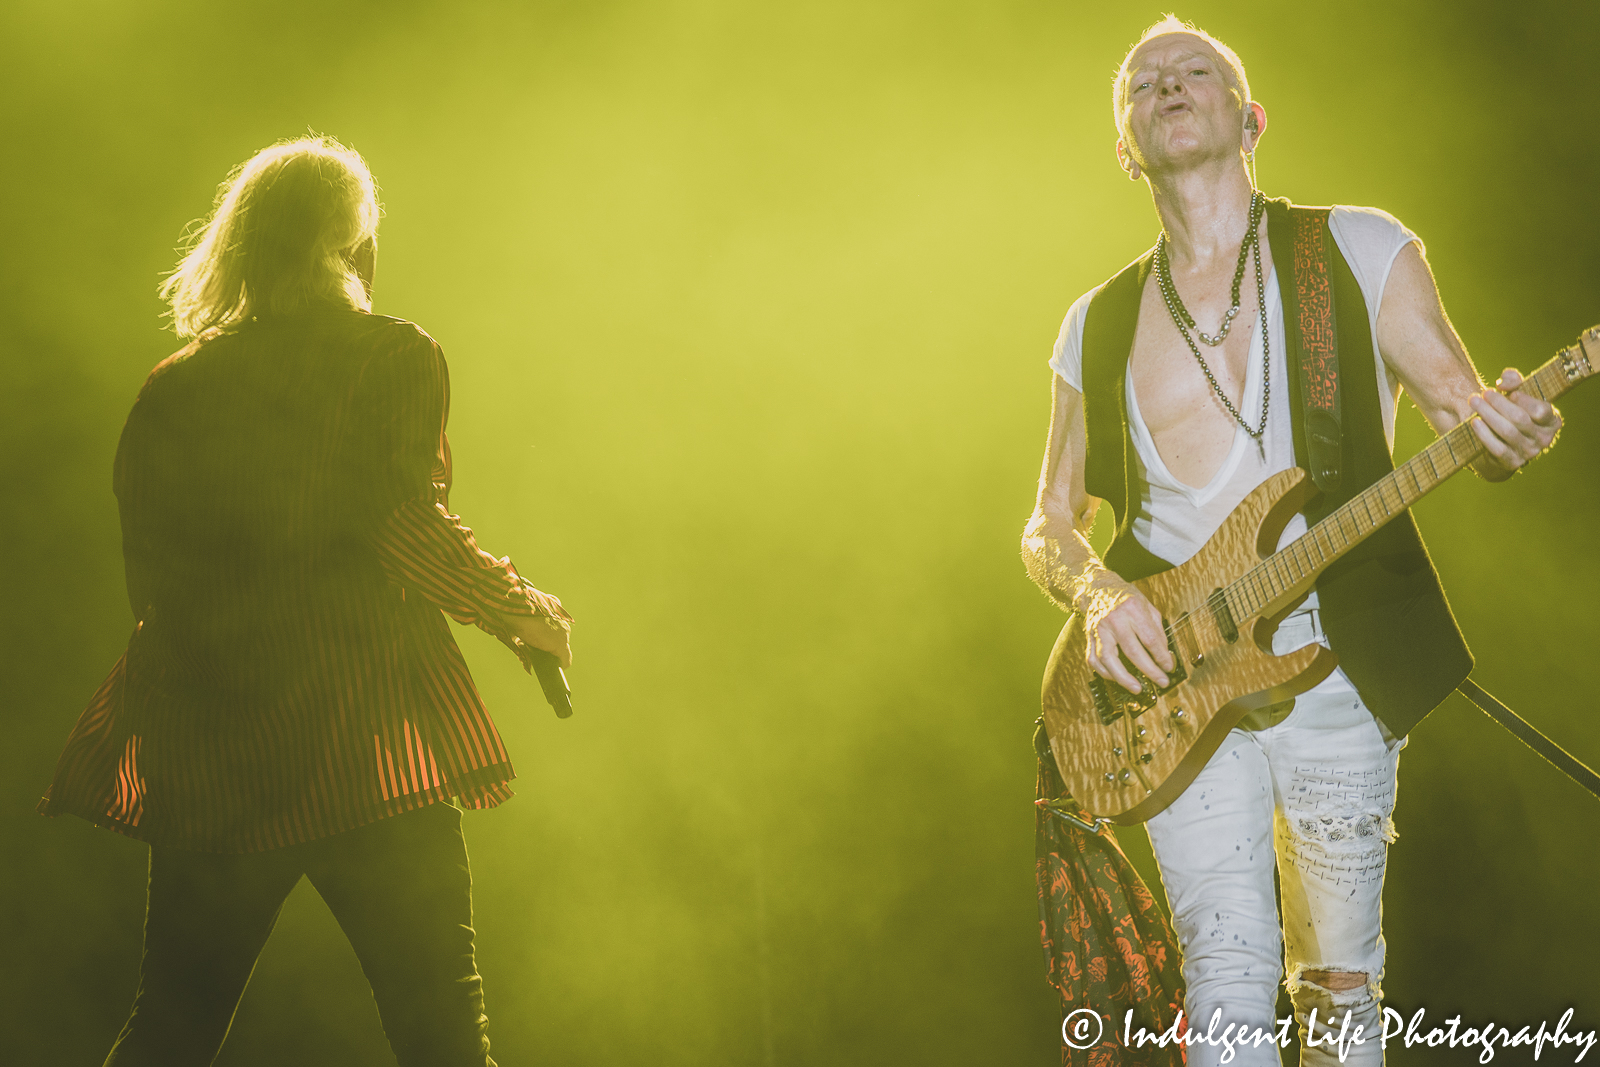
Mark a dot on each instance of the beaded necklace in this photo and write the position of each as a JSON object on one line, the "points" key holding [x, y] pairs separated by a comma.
{"points": [[1185, 322]]}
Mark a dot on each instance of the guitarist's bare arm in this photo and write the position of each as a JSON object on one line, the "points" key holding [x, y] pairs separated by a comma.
{"points": [[1421, 347], [1056, 552]]}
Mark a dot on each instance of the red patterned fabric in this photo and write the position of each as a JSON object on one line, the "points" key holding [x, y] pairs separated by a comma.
{"points": [[1107, 946], [1319, 363]]}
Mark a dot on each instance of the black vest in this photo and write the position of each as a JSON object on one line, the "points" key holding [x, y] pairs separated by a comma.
{"points": [[1381, 604]]}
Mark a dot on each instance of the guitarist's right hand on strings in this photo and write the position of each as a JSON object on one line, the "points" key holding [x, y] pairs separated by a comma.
{"points": [[1120, 622]]}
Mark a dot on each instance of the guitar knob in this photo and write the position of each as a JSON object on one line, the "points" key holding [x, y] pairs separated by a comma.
{"points": [[1126, 774], [1141, 731], [1178, 714]]}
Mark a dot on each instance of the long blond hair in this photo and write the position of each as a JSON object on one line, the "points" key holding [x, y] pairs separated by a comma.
{"points": [[278, 238]]}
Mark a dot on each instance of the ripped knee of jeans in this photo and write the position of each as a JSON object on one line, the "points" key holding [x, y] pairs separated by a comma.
{"points": [[1334, 992], [1335, 981]]}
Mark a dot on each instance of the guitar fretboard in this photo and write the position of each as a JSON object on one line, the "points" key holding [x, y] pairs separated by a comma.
{"points": [[1287, 573]]}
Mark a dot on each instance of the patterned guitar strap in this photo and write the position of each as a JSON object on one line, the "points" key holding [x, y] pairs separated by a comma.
{"points": [[1318, 346]]}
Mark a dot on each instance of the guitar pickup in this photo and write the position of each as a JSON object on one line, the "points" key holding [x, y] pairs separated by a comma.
{"points": [[1223, 615], [1112, 701]]}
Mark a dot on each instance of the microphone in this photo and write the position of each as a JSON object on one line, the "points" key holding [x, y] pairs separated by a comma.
{"points": [[552, 679]]}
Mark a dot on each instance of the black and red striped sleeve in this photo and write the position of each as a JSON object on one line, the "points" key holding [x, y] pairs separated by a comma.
{"points": [[403, 401]]}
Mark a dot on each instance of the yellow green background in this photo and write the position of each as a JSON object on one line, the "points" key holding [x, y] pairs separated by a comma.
{"points": [[747, 307]]}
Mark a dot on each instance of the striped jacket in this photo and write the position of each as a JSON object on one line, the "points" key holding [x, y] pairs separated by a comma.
{"points": [[289, 548]]}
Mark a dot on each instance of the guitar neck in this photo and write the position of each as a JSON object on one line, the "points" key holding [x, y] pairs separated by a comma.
{"points": [[1280, 579]]}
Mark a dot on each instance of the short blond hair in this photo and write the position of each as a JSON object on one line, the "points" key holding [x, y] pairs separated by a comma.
{"points": [[1172, 24], [276, 239]]}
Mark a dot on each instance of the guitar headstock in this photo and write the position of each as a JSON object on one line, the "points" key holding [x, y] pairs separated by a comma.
{"points": [[1576, 363], [1568, 367]]}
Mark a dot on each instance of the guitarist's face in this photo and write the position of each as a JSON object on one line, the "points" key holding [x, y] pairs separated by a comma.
{"points": [[1179, 106]]}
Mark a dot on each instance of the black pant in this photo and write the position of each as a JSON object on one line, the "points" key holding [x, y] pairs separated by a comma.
{"points": [[399, 887]]}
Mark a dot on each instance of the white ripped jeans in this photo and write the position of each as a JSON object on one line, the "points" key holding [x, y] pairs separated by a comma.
{"points": [[1313, 794]]}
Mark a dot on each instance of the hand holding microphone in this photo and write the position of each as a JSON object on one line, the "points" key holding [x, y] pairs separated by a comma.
{"points": [[544, 645]]}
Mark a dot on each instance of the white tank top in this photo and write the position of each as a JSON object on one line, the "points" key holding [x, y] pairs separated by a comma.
{"points": [[1175, 519]]}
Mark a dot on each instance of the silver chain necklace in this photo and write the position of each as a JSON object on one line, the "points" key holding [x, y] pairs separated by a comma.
{"points": [[1185, 322]]}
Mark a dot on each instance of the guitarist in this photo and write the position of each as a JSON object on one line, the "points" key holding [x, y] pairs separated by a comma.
{"points": [[1175, 394]]}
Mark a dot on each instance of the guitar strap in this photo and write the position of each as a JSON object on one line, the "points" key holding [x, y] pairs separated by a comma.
{"points": [[1318, 345]]}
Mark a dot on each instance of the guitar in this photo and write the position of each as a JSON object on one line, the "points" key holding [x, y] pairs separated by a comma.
{"points": [[1125, 756]]}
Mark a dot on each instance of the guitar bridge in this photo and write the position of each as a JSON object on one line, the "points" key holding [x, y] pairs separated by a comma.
{"points": [[1112, 701]]}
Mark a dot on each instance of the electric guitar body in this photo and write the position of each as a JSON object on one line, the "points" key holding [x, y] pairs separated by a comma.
{"points": [[1125, 756]]}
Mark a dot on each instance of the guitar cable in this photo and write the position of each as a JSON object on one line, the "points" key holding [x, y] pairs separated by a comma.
{"points": [[1530, 735]]}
